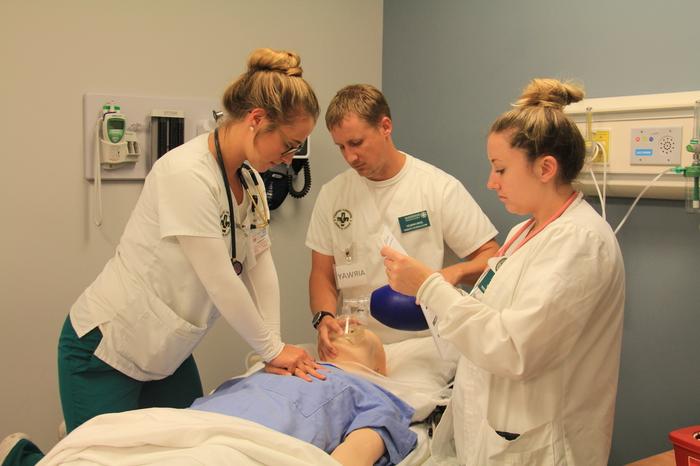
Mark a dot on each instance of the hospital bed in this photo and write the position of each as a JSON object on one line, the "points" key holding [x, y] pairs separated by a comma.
{"points": [[418, 375]]}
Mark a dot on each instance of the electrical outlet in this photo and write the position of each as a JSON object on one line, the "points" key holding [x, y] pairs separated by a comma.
{"points": [[602, 137]]}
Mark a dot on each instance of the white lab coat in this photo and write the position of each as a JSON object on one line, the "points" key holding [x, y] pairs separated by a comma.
{"points": [[540, 350]]}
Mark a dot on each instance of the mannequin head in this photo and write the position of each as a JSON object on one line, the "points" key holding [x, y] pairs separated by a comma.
{"points": [[364, 348]]}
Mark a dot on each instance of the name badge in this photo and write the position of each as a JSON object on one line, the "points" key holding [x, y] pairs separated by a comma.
{"points": [[415, 221], [261, 240], [486, 279], [347, 276], [494, 263]]}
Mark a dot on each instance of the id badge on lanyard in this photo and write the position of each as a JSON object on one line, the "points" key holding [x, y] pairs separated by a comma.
{"points": [[350, 275], [493, 264], [351, 272]]}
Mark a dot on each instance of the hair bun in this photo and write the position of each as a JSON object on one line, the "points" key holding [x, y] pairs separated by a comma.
{"points": [[548, 92], [278, 61]]}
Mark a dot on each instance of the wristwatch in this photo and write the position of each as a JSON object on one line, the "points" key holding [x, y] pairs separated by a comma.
{"points": [[318, 317]]}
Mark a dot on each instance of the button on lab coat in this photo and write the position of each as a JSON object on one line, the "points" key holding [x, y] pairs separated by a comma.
{"points": [[540, 349]]}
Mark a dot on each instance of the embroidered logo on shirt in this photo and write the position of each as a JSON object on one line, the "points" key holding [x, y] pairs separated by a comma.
{"points": [[225, 223], [342, 218]]}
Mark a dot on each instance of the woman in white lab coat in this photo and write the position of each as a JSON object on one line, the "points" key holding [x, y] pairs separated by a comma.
{"points": [[540, 333]]}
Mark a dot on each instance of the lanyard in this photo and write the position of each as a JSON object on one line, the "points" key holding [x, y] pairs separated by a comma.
{"points": [[237, 265], [490, 271], [260, 211], [532, 233]]}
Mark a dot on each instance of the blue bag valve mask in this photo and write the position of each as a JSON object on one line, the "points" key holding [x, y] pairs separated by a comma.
{"points": [[396, 310]]}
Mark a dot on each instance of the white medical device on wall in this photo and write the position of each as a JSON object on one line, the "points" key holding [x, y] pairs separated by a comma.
{"points": [[118, 146], [119, 132], [115, 147]]}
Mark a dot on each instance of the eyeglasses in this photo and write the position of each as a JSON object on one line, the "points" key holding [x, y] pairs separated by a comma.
{"points": [[290, 149]]}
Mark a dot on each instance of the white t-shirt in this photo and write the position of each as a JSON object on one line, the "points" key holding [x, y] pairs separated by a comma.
{"points": [[150, 281], [350, 213]]}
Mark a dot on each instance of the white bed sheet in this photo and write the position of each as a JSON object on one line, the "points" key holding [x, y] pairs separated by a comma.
{"points": [[168, 436]]}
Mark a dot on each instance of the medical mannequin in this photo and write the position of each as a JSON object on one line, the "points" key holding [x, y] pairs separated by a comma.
{"points": [[344, 402], [384, 194], [540, 333], [196, 247], [347, 417], [365, 349]]}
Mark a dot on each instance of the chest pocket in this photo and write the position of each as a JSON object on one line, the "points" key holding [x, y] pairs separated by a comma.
{"points": [[312, 397]]}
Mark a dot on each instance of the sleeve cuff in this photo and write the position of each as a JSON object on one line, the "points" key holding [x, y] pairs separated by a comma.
{"points": [[437, 294], [275, 348], [423, 290]]}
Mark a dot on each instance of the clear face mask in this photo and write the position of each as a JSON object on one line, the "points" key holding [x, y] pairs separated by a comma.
{"points": [[353, 318]]}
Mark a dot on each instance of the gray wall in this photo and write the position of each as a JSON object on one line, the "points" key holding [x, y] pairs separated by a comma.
{"points": [[53, 53], [450, 67]]}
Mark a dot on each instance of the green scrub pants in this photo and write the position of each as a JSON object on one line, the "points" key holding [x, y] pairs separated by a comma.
{"points": [[24, 453], [90, 387]]}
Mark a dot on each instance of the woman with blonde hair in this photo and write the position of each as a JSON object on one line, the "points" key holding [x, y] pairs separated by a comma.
{"points": [[540, 333], [196, 246]]}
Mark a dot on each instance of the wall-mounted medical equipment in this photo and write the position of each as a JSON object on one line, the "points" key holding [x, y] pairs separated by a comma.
{"points": [[691, 172], [117, 143], [282, 180], [636, 138], [115, 147], [167, 131], [635, 146]]}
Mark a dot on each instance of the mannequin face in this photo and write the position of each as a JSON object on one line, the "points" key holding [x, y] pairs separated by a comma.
{"points": [[366, 350], [272, 145], [364, 147]]}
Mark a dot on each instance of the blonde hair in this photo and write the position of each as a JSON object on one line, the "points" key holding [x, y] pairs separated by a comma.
{"points": [[538, 125], [272, 82], [364, 100]]}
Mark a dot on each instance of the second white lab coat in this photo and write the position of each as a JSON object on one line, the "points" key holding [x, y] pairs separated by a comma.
{"points": [[540, 350]]}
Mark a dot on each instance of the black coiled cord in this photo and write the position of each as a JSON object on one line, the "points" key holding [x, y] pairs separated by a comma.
{"points": [[307, 181]]}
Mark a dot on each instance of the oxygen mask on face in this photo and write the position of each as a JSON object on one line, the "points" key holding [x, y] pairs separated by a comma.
{"points": [[353, 318]]}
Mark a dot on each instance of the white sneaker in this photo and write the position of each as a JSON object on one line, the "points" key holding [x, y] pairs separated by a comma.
{"points": [[8, 443]]}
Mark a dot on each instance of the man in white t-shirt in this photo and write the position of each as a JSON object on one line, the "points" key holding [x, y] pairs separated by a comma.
{"points": [[387, 197]]}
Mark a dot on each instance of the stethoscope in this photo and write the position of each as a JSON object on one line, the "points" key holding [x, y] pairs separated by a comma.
{"points": [[255, 198]]}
